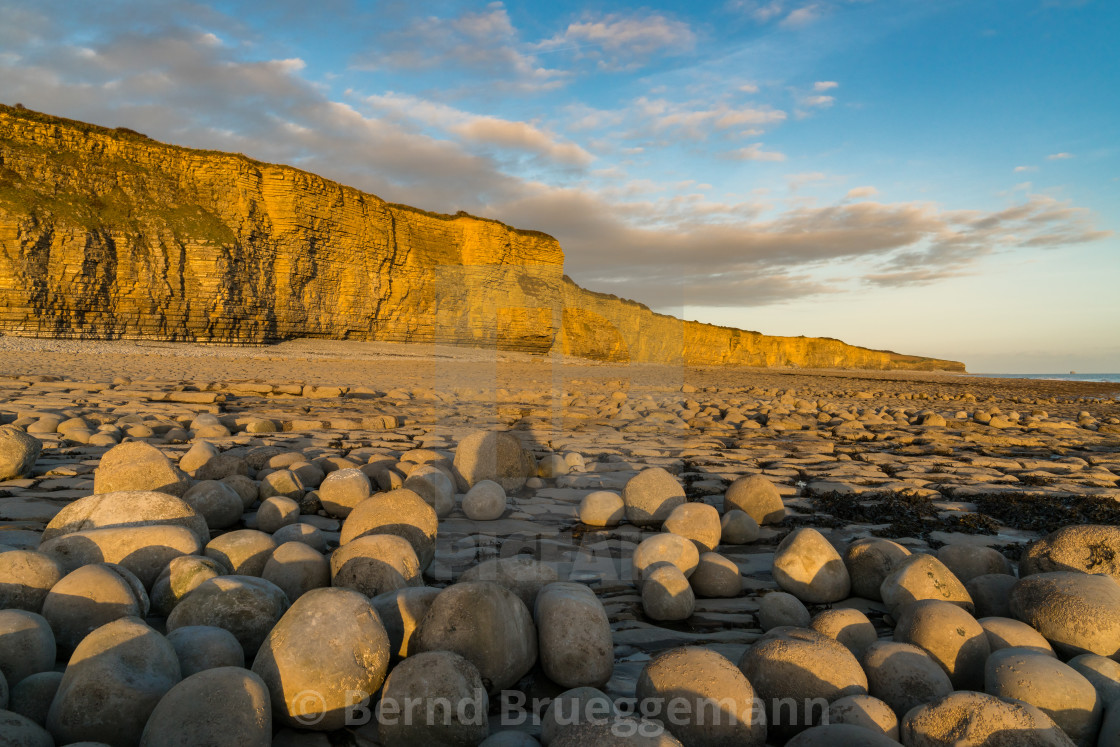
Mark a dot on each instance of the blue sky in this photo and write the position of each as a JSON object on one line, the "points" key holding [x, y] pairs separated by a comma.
{"points": [[939, 178]]}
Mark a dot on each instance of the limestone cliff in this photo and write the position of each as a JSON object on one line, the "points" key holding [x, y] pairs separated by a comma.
{"points": [[109, 234]]}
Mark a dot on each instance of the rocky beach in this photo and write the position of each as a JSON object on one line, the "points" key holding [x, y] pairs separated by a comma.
{"points": [[359, 543]]}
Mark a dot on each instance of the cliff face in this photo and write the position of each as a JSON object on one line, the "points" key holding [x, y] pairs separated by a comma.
{"points": [[106, 233]]}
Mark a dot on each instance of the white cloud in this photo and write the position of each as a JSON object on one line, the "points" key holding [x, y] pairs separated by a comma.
{"points": [[484, 41], [803, 16], [754, 152], [483, 130], [860, 192], [1021, 169], [1059, 156], [759, 10], [624, 42], [825, 85], [749, 88], [819, 101]]}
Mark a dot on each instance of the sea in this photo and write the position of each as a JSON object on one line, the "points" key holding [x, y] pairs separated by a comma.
{"points": [[1107, 378]]}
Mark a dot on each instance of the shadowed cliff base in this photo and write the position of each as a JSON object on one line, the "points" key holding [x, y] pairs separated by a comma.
{"points": [[107, 234]]}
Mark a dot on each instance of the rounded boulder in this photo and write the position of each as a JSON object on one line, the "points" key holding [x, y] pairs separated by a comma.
{"points": [[702, 698], [400, 512], [202, 647], [233, 704], [90, 597], [757, 497], [25, 578], [485, 501], [328, 651], [1076, 612], [573, 636], [27, 645], [808, 566], [114, 680], [486, 624], [136, 465], [494, 455], [602, 508], [375, 564], [246, 606], [650, 496], [126, 508], [343, 490], [434, 698]]}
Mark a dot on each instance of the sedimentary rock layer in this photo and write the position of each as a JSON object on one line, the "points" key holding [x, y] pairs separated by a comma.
{"points": [[109, 234]]}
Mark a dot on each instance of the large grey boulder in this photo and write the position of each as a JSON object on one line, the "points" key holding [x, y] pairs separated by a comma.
{"points": [[115, 679], [494, 455], [126, 508], [488, 625], [135, 465], [18, 452], [650, 496], [326, 655], [227, 705]]}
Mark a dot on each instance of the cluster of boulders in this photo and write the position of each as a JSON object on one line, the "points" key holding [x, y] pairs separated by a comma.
{"points": [[247, 595]]}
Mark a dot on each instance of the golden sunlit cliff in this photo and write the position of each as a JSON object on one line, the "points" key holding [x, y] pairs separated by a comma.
{"points": [[108, 234]]}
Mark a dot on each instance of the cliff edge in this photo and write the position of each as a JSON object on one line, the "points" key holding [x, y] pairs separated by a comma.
{"points": [[108, 234]]}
